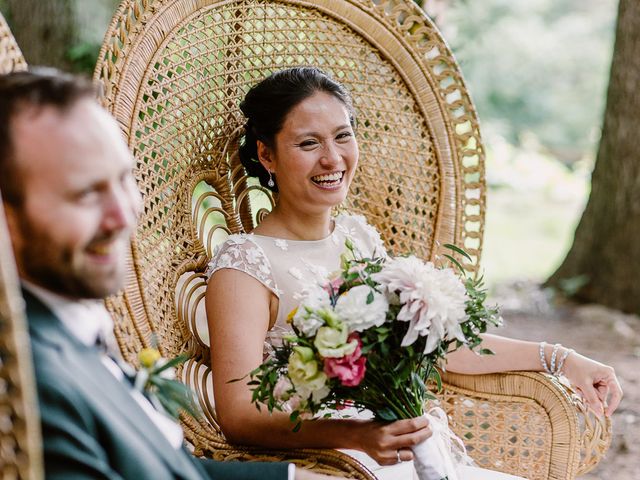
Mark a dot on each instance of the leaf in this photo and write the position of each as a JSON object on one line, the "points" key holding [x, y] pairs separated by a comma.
{"points": [[458, 250], [370, 298], [174, 362], [387, 414], [455, 262]]}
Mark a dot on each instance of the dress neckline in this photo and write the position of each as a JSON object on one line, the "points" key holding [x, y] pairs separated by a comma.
{"points": [[308, 242]]}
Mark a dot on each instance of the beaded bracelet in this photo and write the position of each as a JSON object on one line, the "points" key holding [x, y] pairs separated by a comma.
{"points": [[564, 356], [554, 354], [553, 369], [543, 360]]}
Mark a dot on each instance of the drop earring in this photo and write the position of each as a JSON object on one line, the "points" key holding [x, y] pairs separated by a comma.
{"points": [[271, 183]]}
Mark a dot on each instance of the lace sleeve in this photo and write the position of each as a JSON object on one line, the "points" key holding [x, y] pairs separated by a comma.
{"points": [[240, 253]]}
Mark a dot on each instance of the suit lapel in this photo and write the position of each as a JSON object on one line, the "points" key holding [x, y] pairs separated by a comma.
{"points": [[103, 389]]}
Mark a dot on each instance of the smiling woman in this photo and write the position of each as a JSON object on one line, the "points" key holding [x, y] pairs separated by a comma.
{"points": [[305, 146]]}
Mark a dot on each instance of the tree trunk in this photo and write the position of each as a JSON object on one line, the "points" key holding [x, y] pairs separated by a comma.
{"points": [[606, 248], [44, 29]]}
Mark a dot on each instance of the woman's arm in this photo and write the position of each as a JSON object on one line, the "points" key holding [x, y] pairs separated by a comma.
{"points": [[238, 309], [597, 382]]}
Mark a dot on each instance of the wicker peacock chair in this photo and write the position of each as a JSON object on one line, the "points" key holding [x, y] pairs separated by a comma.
{"points": [[20, 441], [173, 73]]}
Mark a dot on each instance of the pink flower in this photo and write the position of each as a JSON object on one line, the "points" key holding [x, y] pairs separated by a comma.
{"points": [[333, 286], [349, 369]]}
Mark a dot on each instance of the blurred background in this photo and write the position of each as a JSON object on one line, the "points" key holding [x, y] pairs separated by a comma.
{"points": [[537, 71], [555, 86]]}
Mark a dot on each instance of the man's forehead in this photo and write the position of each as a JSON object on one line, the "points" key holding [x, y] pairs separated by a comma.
{"points": [[81, 143]]}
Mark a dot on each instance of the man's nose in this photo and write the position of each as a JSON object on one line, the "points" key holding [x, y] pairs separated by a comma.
{"points": [[122, 208]]}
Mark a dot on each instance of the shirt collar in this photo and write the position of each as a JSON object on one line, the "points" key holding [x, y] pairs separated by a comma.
{"points": [[86, 319]]}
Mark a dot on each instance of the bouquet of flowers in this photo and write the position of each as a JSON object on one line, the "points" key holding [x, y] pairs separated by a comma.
{"points": [[374, 335]]}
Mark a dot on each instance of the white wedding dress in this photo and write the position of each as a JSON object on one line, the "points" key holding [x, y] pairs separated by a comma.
{"points": [[286, 266]]}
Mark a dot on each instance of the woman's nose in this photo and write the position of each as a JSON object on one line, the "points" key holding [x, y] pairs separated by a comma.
{"points": [[331, 155]]}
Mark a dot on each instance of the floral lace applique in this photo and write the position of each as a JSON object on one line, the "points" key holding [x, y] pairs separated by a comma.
{"points": [[295, 273], [282, 244], [240, 253]]}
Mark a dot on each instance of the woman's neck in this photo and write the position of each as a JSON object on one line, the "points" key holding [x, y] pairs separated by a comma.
{"points": [[293, 225]]}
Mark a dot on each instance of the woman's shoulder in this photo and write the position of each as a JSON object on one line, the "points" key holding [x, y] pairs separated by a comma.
{"points": [[241, 252]]}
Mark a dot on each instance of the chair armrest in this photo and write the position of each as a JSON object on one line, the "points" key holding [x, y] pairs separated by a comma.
{"points": [[525, 423]]}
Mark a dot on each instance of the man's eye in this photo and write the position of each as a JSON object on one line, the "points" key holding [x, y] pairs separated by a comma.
{"points": [[87, 195]]}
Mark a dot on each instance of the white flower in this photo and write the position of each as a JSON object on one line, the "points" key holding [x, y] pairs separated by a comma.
{"points": [[352, 308], [433, 300], [312, 299]]}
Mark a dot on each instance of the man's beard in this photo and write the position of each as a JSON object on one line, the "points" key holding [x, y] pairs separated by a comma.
{"points": [[60, 268]]}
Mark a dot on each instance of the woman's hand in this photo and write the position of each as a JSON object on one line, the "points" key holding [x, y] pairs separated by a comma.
{"points": [[596, 382], [387, 443]]}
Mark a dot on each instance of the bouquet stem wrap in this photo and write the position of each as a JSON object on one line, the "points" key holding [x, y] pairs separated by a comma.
{"points": [[434, 459]]}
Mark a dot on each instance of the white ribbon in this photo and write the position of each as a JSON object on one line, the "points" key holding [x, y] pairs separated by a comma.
{"points": [[438, 456]]}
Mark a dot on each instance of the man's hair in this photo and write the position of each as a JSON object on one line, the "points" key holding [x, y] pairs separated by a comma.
{"points": [[38, 87]]}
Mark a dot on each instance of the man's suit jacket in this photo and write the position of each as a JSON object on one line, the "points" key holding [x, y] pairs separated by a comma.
{"points": [[93, 428]]}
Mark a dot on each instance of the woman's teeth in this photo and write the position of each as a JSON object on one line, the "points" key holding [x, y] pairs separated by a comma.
{"points": [[327, 180]]}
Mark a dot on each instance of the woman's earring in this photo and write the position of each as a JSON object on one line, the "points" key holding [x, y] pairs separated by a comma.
{"points": [[271, 183]]}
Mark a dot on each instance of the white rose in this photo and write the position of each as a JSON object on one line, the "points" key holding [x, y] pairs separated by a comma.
{"points": [[352, 308]]}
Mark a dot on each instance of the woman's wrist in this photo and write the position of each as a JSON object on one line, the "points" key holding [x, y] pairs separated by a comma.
{"points": [[553, 358]]}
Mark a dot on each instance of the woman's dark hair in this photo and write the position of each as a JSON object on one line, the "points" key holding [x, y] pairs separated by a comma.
{"points": [[269, 102]]}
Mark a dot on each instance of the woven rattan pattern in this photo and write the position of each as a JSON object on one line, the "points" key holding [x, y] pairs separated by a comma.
{"points": [[11, 58], [173, 74], [20, 442]]}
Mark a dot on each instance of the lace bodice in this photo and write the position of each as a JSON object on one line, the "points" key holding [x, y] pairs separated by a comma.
{"points": [[286, 266]]}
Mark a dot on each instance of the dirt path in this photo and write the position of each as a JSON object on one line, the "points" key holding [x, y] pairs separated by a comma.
{"points": [[605, 335]]}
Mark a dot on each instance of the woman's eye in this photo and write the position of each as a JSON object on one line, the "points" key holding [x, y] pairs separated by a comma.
{"points": [[344, 136], [308, 144]]}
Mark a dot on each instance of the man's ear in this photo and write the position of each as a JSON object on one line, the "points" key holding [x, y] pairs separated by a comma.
{"points": [[265, 156]]}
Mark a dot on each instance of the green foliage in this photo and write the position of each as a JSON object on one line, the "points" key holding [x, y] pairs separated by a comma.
{"points": [[535, 67], [83, 57]]}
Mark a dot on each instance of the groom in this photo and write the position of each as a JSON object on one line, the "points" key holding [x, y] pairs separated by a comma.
{"points": [[72, 204]]}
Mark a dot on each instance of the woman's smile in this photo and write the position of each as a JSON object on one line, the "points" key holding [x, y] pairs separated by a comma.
{"points": [[329, 181]]}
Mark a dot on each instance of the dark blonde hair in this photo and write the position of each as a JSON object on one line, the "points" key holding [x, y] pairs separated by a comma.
{"points": [[38, 87]]}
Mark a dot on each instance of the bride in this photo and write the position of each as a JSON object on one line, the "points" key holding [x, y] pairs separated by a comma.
{"points": [[300, 143]]}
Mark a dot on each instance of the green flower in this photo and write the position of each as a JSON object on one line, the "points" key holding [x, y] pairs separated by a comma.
{"points": [[304, 372], [331, 341]]}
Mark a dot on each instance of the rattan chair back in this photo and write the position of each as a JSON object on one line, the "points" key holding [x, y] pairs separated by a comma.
{"points": [[173, 73], [20, 440]]}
